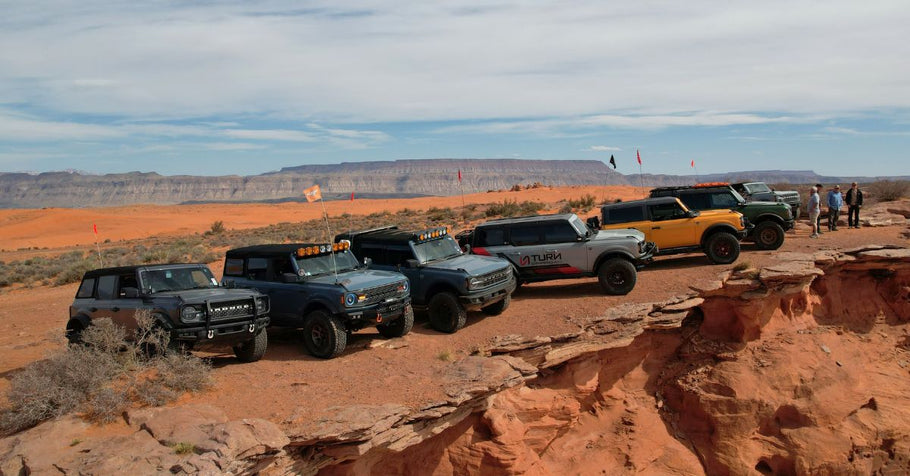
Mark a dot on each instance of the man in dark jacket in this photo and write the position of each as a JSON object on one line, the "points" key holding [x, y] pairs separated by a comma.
{"points": [[854, 203]]}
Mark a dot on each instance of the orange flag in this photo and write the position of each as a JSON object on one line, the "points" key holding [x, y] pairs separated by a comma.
{"points": [[312, 194]]}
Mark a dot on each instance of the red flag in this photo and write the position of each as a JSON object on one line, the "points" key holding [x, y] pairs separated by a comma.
{"points": [[692, 164], [352, 196], [459, 175], [95, 229], [638, 155]]}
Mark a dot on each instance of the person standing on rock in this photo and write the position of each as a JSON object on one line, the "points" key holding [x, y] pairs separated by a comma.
{"points": [[814, 208], [854, 203], [835, 201], [818, 221]]}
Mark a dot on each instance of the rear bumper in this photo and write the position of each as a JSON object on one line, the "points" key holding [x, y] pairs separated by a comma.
{"points": [[221, 333], [475, 301]]}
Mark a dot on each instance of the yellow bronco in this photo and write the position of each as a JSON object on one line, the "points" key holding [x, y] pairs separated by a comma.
{"points": [[676, 229]]}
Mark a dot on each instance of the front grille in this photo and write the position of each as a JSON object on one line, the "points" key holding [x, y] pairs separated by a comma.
{"points": [[381, 293], [495, 277], [231, 309]]}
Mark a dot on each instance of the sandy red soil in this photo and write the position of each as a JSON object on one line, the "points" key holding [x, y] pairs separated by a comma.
{"points": [[288, 381]]}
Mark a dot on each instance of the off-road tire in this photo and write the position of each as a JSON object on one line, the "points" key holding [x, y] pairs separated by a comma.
{"points": [[498, 307], [446, 313], [722, 248], [768, 235], [74, 333], [324, 335], [253, 349], [617, 276], [398, 327]]}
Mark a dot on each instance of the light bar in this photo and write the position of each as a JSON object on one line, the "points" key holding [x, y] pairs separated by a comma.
{"points": [[321, 249]]}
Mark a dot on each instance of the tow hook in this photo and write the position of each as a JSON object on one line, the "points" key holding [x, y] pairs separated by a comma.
{"points": [[378, 317], [211, 334], [252, 327]]}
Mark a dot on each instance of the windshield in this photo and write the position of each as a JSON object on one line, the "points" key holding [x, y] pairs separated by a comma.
{"points": [[757, 188], [581, 227], [322, 264], [177, 279], [433, 250], [739, 198]]}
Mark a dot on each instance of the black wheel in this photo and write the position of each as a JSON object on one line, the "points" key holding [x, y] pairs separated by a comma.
{"points": [[253, 349], [446, 313], [617, 276], [722, 248], [400, 326], [323, 335], [498, 307], [768, 235], [74, 332]]}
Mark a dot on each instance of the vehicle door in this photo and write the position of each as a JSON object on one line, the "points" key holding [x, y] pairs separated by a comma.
{"points": [[105, 305], [266, 275], [671, 227], [568, 249], [127, 302], [394, 257]]}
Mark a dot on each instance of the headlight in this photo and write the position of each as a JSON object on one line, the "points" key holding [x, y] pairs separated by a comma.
{"points": [[262, 304], [191, 314], [474, 282], [350, 299], [405, 286]]}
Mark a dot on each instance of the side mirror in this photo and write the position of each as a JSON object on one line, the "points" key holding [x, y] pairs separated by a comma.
{"points": [[367, 261], [411, 263], [467, 248], [130, 292], [692, 213]]}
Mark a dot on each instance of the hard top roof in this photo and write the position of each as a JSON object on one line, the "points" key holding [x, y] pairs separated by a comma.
{"points": [[527, 219], [386, 234], [700, 186], [132, 269], [282, 249], [643, 201]]}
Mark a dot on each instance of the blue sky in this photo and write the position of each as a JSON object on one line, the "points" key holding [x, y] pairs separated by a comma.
{"points": [[214, 88]]}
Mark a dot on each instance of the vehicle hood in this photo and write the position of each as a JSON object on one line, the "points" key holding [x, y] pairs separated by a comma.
{"points": [[196, 296], [474, 265], [358, 279], [612, 234], [712, 213]]}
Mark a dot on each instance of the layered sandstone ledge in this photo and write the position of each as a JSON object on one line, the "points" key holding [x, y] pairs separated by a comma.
{"points": [[797, 367]]}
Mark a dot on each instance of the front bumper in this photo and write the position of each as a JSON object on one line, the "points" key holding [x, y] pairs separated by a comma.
{"points": [[788, 224], [377, 314], [485, 297], [648, 250], [221, 333]]}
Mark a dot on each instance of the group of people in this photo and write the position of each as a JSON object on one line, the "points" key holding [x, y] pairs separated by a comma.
{"points": [[835, 201]]}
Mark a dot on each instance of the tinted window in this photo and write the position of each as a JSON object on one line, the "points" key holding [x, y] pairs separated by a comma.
{"points": [[559, 232], [490, 237], [696, 201], [233, 267], [85, 290], [625, 214], [127, 281], [665, 211], [398, 255], [723, 200], [107, 287], [525, 235]]}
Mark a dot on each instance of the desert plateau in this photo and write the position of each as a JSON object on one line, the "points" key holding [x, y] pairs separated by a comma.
{"points": [[791, 361]]}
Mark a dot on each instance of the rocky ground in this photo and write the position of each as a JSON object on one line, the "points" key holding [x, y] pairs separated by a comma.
{"points": [[806, 348]]}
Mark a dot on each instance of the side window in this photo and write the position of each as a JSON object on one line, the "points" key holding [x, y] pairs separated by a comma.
{"points": [[723, 200], [625, 214], [525, 235], [127, 281], [490, 236], [233, 267], [107, 287], [257, 268], [86, 288], [559, 232], [696, 201], [665, 211], [374, 253]]}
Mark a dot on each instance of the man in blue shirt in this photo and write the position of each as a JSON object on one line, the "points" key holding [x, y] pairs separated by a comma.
{"points": [[835, 201]]}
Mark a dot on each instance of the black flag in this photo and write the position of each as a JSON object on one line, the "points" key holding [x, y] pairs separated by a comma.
{"points": [[612, 161]]}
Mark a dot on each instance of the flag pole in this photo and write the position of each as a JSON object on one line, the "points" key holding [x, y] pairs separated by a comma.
{"points": [[641, 180], [98, 245], [325, 215], [461, 186]]}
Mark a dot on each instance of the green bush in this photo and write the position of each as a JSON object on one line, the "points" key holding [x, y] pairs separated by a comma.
{"points": [[887, 190]]}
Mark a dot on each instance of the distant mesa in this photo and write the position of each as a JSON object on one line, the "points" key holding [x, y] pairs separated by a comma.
{"points": [[381, 179]]}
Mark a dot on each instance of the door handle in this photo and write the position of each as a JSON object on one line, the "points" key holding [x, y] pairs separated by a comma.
{"points": [[115, 309], [93, 309], [655, 228]]}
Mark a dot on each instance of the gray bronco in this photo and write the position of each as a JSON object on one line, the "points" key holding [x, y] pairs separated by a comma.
{"points": [[546, 247], [761, 192], [445, 282], [323, 290], [185, 300]]}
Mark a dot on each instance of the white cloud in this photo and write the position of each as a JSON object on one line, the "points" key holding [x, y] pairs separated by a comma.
{"points": [[602, 148], [265, 134]]}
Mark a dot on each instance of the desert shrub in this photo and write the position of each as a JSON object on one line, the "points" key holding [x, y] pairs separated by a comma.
{"points": [[506, 208], [440, 214], [887, 190], [183, 448], [584, 203], [216, 228], [102, 377], [566, 208], [529, 208]]}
